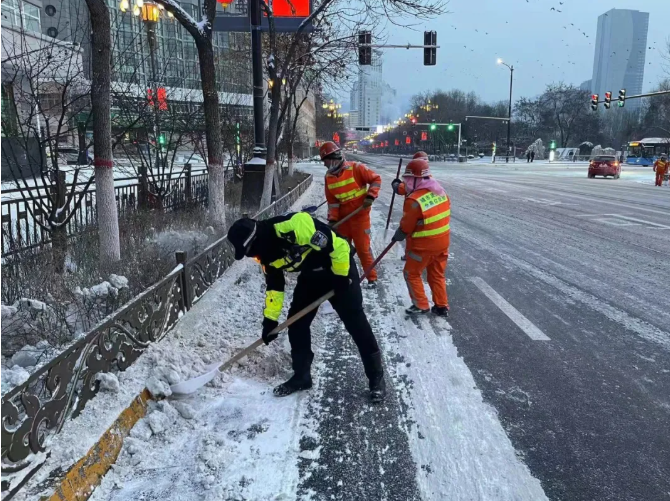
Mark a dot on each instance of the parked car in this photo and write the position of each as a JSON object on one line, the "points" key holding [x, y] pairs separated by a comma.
{"points": [[604, 165]]}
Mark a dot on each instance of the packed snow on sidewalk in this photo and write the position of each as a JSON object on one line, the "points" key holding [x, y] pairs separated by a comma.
{"points": [[232, 439]]}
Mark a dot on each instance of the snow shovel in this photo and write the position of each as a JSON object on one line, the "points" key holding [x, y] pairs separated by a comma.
{"points": [[191, 385], [388, 219]]}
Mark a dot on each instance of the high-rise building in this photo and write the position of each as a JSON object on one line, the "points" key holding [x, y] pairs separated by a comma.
{"points": [[366, 95], [621, 46]]}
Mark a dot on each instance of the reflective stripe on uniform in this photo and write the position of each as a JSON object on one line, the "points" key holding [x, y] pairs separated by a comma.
{"points": [[350, 195], [333, 206], [274, 300], [414, 256], [432, 219], [430, 233], [339, 184]]}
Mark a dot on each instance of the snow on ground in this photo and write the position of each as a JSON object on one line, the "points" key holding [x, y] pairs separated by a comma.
{"points": [[225, 320]]}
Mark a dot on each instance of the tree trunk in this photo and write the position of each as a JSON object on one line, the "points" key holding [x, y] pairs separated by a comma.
{"points": [[101, 63], [291, 132], [270, 165], [217, 208]]}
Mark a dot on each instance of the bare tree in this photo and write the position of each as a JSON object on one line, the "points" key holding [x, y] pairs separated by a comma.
{"points": [[334, 18], [46, 80], [201, 31]]}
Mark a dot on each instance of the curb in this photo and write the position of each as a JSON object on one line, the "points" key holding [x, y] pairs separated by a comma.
{"points": [[84, 476]]}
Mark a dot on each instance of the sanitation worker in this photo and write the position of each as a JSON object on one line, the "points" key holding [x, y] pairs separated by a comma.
{"points": [[425, 225], [348, 186], [661, 167], [299, 243], [397, 185]]}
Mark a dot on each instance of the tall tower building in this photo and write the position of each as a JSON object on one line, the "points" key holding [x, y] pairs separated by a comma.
{"points": [[366, 95], [621, 47]]}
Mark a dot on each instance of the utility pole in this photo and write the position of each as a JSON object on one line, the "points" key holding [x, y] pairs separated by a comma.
{"points": [[257, 72]]}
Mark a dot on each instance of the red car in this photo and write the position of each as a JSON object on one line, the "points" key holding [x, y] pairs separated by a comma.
{"points": [[604, 165]]}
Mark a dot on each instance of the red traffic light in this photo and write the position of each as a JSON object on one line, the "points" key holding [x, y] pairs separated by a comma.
{"points": [[608, 95], [413, 120]]}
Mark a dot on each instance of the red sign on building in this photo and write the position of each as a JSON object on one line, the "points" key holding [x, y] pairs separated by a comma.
{"points": [[397, 142], [386, 143], [336, 137], [424, 136]]}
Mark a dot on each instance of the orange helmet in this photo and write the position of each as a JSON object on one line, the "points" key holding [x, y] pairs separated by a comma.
{"points": [[417, 167], [327, 149], [420, 154]]}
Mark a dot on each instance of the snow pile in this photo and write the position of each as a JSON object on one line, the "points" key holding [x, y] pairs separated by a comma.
{"points": [[191, 241]]}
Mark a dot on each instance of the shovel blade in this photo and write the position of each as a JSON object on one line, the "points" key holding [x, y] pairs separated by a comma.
{"points": [[192, 385]]}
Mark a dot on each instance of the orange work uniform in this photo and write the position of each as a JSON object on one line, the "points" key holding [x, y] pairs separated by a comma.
{"points": [[660, 167], [345, 192], [425, 220]]}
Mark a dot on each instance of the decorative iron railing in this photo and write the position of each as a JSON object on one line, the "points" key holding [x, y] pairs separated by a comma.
{"points": [[60, 389]]}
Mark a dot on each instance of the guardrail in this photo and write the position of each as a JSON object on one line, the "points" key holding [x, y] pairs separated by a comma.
{"points": [[21, 232], [60, 389]]}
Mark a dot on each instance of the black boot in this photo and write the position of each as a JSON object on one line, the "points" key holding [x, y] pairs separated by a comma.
{"points": [[375, 373], [440, 311], [301, 379]]}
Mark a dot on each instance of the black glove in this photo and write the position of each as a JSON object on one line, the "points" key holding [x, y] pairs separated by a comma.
{"points": [[341, 284], [399, 236], [268, 326], [395, 184], [368, 201]]}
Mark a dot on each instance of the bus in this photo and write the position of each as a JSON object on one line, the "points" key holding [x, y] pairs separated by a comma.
{"points": [[647, 151]]}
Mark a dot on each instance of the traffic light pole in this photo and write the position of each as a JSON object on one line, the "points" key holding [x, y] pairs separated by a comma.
{"points": [[458, 148], [257, 74], [509, 113]]}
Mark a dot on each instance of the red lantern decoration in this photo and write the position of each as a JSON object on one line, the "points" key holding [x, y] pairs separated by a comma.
{"points": [[397, 142], [225, 3], [386, 143], [408, 140]]}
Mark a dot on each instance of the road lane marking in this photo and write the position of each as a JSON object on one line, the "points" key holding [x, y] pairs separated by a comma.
{"points": [[620, 220], [514, 315]]}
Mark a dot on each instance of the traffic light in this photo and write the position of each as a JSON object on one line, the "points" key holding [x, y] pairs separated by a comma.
{"points": [[433, 126], [450, 127], [608, 100], [622, 98], [430, 53], [594, 102], [413, 120], [161, 139], [552, 145], [364, 49]]}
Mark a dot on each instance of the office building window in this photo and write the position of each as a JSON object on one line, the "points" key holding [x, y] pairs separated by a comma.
{"points": [[31, 18], [10, 13]]}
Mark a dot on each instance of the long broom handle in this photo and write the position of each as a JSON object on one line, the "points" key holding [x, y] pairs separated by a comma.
{"points": [[388, 219], [290, 321]]}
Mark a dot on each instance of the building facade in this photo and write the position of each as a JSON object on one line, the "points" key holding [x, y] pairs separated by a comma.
{"points": [[620, 51], [366, 94]]}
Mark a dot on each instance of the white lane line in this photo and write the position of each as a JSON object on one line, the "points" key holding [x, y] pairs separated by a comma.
{"points": [[659, 226], [514, 315]]}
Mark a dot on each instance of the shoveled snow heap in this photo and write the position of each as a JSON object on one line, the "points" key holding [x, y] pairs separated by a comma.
{"points": [[218, 425]]}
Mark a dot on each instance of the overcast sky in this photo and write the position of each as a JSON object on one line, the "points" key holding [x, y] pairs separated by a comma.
{"points": [[520, 32]]}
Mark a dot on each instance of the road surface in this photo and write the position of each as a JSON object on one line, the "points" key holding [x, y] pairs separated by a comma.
{"points": [[560, 306]]}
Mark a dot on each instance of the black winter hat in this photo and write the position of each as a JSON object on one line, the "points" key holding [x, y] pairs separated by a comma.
{"points": [[241, 235]]}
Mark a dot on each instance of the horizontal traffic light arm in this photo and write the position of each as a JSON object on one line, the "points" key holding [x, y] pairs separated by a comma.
{"points": [[408, 46], [650, 94], [436, 123]]}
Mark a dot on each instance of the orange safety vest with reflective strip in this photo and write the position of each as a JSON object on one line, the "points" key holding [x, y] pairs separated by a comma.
{"points": [[660, 166], [344, 187], [426, 220]]}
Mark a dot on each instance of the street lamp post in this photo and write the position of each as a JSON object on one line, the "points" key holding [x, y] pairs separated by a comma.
{"points": [[509, 112]]}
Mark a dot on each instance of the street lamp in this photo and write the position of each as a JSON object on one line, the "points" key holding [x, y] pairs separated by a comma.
{"points": [[509, 112]]}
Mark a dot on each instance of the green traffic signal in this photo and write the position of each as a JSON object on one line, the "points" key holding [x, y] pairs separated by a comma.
{"points": [[450, 127], [161, 139], [433, 126], [552, 145]]}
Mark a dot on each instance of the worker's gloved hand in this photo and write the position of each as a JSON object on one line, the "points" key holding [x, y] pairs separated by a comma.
{"points": [[395, 184], [341, 284], [368, 201], [268, 326], [399, 236]]}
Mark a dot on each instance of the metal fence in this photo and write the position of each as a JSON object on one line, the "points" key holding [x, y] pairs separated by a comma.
{"points": [[59, 390], [20, 231]]}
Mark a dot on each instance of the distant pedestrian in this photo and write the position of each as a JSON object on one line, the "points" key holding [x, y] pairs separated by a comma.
{"points": [[532, 156], [528, 156], [660, 168]]}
